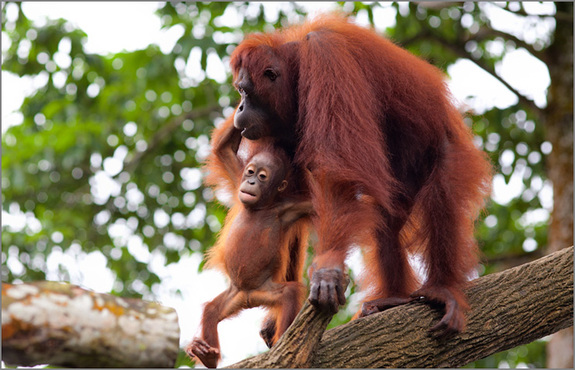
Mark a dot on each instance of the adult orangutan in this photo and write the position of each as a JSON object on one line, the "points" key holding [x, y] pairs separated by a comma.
{"points": [[393, 161]]}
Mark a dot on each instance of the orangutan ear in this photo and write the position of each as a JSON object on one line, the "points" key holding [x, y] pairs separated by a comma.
{"points": [[283, 186]]}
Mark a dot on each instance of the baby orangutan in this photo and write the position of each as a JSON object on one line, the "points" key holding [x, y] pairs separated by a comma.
{"points": [[253, 248]]}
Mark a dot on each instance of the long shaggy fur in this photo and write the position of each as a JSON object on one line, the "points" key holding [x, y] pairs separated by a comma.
{"points": [[374, 122]]}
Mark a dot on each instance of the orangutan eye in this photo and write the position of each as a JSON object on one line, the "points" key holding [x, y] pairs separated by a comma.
{"points": [[271, 74]]}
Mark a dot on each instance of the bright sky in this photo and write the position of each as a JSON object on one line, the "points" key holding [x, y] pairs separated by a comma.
{"points": [[116, 26]]}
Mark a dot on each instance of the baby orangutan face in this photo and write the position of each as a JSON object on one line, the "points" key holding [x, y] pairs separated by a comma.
{"points": [[263, 179]]}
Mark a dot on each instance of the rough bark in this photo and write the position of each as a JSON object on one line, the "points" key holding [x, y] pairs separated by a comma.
{"points": [[510, 308], [64, 325], [296, 347], [558, 120]]}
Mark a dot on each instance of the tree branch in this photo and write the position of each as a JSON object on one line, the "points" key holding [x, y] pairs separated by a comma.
{"points": [[486, 33], [296, 347], [64, 325], [510, 308], [458, 49]]}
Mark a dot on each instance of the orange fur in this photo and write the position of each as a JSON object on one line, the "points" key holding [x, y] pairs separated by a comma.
{"points": [[217, 175], [261, 247], [369, 119]]}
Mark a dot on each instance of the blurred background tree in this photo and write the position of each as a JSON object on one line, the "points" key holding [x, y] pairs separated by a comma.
{"points": [[104, 162]]}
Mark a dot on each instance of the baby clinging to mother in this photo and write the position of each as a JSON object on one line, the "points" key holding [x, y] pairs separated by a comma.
{"points": [[389, 162]]}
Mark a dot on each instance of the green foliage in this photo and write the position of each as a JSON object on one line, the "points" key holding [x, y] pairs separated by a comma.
{"points": [[139, 122]]}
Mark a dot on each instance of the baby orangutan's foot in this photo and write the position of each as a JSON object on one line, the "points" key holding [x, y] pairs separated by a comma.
{"points": [[382, 304], [268, 331], [201, 350]]}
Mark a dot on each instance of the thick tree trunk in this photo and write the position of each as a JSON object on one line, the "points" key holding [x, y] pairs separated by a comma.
{"points": [[510, 308], [63, 325], [558, 120]]}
